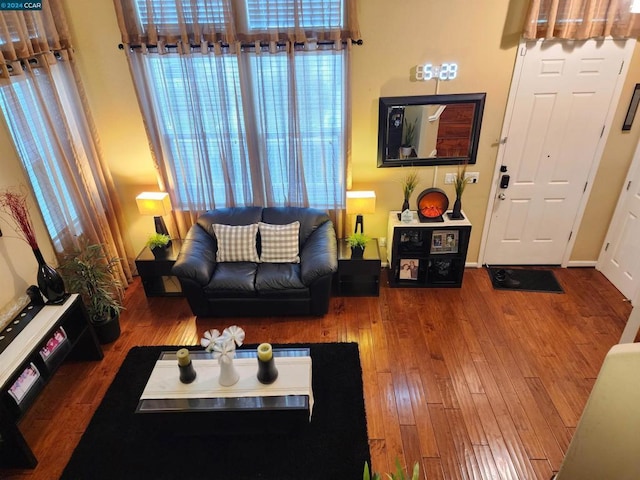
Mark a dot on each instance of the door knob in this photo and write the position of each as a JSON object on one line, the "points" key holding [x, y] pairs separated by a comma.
{"points": [[502, 196]]}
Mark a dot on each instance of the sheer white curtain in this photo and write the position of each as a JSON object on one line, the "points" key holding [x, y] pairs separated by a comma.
{"points": [[233, 123], [45, 109], [247, 128]]}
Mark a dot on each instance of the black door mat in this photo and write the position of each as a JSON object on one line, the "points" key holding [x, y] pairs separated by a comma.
{"points": [[524, 280]]}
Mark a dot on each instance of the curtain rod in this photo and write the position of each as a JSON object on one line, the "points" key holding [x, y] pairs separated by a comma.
{"points": [[243, 45]]}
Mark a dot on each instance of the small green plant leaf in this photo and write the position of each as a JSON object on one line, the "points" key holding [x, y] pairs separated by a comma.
{"points": [[158, 240], [358, 239]]}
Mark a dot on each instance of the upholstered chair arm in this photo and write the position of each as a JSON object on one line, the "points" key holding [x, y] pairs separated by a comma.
{"points": [[319, 254], [197, 258]]}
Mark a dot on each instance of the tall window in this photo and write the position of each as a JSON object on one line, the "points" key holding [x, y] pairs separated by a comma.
{"points": [[215, 144], [245, 101], [43, 104], [36, 128]]}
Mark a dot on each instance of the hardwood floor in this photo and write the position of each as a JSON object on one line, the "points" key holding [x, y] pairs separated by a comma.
{"points": [[473, 383]]}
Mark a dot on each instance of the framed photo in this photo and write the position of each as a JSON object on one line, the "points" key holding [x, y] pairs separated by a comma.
{"points": [[25, 381], [58, 338], [409, 269], [444, 241]]}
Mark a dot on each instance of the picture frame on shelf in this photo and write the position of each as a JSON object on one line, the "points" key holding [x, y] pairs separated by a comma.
{"points": [[444, 241], [58, 338], [23, 384], [409, 269]]}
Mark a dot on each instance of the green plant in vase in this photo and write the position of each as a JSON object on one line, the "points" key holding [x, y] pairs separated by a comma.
{"points": [[408, 136], [357, 242], [409, 183], [399, 474], [92, 274], [158, 242], [460, 182]]}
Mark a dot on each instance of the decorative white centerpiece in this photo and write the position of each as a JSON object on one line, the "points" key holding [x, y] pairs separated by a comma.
{"points": [[223, 347]]}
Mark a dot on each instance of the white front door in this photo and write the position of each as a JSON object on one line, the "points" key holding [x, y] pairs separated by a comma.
{"points": [[619, 259], [554, 124]]}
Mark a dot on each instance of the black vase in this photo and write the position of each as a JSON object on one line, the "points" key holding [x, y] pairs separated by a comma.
{"points": [[456, 213], [405, 205], [357, 252], [49, 280]]}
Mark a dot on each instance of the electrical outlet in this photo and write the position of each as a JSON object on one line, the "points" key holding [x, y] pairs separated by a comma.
{"points": [[449, 178], [472, 176]]}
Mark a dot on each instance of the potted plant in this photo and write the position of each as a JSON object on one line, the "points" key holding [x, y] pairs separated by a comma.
{"points": [[399, 474], [90, 272], [158, 243], [357, 242], [408, 133], [409, 183], [459, 184]]}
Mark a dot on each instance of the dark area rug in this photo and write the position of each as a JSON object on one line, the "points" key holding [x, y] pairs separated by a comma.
{"points": [[526, 280], [333, 445]]}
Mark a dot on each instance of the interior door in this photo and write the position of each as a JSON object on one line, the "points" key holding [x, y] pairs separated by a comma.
{"points": [[554, 126], [619, 259]]}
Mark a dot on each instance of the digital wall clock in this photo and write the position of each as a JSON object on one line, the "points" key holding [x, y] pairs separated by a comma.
{"points": [[446, 71]]}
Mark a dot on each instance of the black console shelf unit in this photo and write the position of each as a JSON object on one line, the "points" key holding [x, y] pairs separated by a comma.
{"points": [[54, 334], [427, 254]]}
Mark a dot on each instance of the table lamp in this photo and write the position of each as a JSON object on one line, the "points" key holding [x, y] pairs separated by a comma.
{"points": [[156, 204], [359, 203]]}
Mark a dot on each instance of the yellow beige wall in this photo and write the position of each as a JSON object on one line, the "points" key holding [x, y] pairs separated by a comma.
{"points": [[481, 37], [397, 37]]}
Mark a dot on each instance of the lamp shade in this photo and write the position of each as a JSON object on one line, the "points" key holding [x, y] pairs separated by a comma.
{"points": [[153, 203], [361, 202]]}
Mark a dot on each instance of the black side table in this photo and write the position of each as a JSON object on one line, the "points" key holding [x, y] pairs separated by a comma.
{"points": [[358, 276], [156, 272]]}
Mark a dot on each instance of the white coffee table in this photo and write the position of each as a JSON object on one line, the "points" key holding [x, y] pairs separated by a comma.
{"points": [[290, 396]]}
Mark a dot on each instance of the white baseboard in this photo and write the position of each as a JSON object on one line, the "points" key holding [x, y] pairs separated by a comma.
{"points": [[582, 263]]}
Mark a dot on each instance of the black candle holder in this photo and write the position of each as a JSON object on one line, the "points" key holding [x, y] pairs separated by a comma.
{"points": [[267, 371], [185, 365], [187, 373]]}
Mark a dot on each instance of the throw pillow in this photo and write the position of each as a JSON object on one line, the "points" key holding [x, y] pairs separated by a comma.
{"points": [[279, 242], [236, 243]]}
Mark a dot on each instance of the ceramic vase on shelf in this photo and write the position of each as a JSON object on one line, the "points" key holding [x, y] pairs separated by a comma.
{"points": [[49, 280], [405, 205], [456, 213], [357, 252], [267, 371], [228, 373]]}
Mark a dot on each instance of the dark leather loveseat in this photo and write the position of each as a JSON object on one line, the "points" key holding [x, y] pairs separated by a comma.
{"points": [[250, 288]]}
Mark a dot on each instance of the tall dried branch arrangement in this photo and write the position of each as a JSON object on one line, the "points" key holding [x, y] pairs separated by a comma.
{"points": [[13, 202]]}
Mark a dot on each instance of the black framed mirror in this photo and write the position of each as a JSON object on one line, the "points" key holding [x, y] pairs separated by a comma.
{"points": [[429, 129]]}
